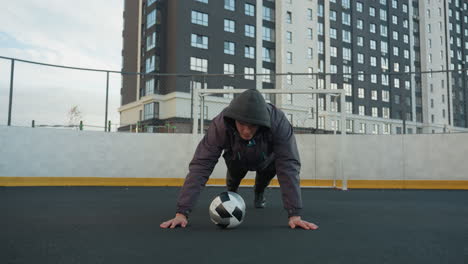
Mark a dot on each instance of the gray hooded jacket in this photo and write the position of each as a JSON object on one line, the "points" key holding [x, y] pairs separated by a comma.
{"points": [[274, 142]]}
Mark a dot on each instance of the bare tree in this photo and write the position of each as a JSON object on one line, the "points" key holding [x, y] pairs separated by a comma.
{"points": [[74, 116]]}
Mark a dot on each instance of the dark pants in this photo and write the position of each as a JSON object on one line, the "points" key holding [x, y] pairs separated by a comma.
{"points": [[235, 174]]}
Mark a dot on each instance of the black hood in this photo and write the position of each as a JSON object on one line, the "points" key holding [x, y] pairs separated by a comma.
{"points": [[249, 107]]}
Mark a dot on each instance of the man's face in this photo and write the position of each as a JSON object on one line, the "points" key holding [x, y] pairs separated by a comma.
{"points": [[246, 131]]}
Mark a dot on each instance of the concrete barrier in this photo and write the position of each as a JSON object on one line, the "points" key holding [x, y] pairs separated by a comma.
{"points": [[41, 156]]}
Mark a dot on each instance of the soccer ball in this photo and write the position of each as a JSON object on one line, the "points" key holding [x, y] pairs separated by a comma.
{"points": [[227, 210]]}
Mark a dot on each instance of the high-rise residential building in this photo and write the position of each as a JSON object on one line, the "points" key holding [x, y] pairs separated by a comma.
{"points": [[400, 62]]}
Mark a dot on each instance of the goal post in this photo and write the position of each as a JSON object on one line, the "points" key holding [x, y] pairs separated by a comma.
{"points": [[326, 116]]}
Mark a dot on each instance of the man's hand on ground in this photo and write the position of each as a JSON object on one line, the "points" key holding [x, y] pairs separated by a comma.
{"points": [[179, 220], [296, 221]]}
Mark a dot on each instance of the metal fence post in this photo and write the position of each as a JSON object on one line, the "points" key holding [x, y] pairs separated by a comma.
{"points": [[10, 104], [344, 185], [107, 100]]}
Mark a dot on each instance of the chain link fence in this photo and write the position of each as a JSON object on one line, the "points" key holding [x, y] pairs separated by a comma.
{"points": [[43, 95]]}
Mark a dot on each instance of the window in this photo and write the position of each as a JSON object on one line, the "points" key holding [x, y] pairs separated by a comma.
{"points": [[199, 41], [197, 64], [394, 19], [347, 54], [150, 2], [373, 44], [152, 64], [332, 15], [249, 52], [309, 13], [249, 73], [268, 34], [230, 5], [229, 25], [386, 96], [362, 110], [372, 11], [229, 47], [320, 10], [362, 128], [406, 38], [309, 33], [289, 36], [320, 29], [361, 76], [346, 19], [347, 69], [150, 111], [249, 9], [348, 89], [359, 6], [250, 31], [360, 24], [149, 87], [346, 36], [360, 41], [383, 31], [385, 112], [383, 15], [345, 4], [320, 47], [268, 55], [373, 61], [310, 53], [151, 41], [289, 17], [333, 33], [228, 95], [372, 28], [333, 51], [374, 95], [268, 14], [199, 18], [361, 92], [289, 58], [360, 58], [151, 19], [267, 76], [349, 108], [229, 69], [375, 112]]}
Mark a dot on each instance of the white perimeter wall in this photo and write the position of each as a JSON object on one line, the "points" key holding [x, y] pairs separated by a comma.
{"points": [[45, 152]]}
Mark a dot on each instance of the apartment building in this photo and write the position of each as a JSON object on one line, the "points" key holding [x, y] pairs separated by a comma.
{"points": [[397, 60]]}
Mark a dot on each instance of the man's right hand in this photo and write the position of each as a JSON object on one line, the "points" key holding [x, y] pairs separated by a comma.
{"points": [[178, 220]]}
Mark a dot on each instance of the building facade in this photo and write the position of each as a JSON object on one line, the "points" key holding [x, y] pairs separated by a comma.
{"points": [[400, 62]]}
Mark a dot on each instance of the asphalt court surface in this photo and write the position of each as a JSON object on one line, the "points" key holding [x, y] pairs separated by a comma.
{"points": [[121, 225]]}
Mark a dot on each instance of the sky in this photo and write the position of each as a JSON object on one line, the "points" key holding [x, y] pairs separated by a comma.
{"points": [[85, 33]]}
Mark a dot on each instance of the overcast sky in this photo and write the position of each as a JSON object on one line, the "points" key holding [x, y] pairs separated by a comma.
{"points": [[85, 33]]}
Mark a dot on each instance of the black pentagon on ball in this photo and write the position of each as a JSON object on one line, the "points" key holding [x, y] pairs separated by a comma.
{"points": [[223, 213], [237, 213], [224, 197]]}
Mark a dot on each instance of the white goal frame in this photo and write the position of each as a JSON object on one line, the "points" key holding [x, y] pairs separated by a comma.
{"points": [[199, 95]]}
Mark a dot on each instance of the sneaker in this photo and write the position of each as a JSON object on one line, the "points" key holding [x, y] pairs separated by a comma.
{"points": [[259, 201]]}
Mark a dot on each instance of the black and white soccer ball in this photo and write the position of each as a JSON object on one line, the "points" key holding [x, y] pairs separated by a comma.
{"points": [[227, 210]]}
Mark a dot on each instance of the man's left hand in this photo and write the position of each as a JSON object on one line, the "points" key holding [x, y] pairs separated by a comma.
{"points": [[296, 221]]}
